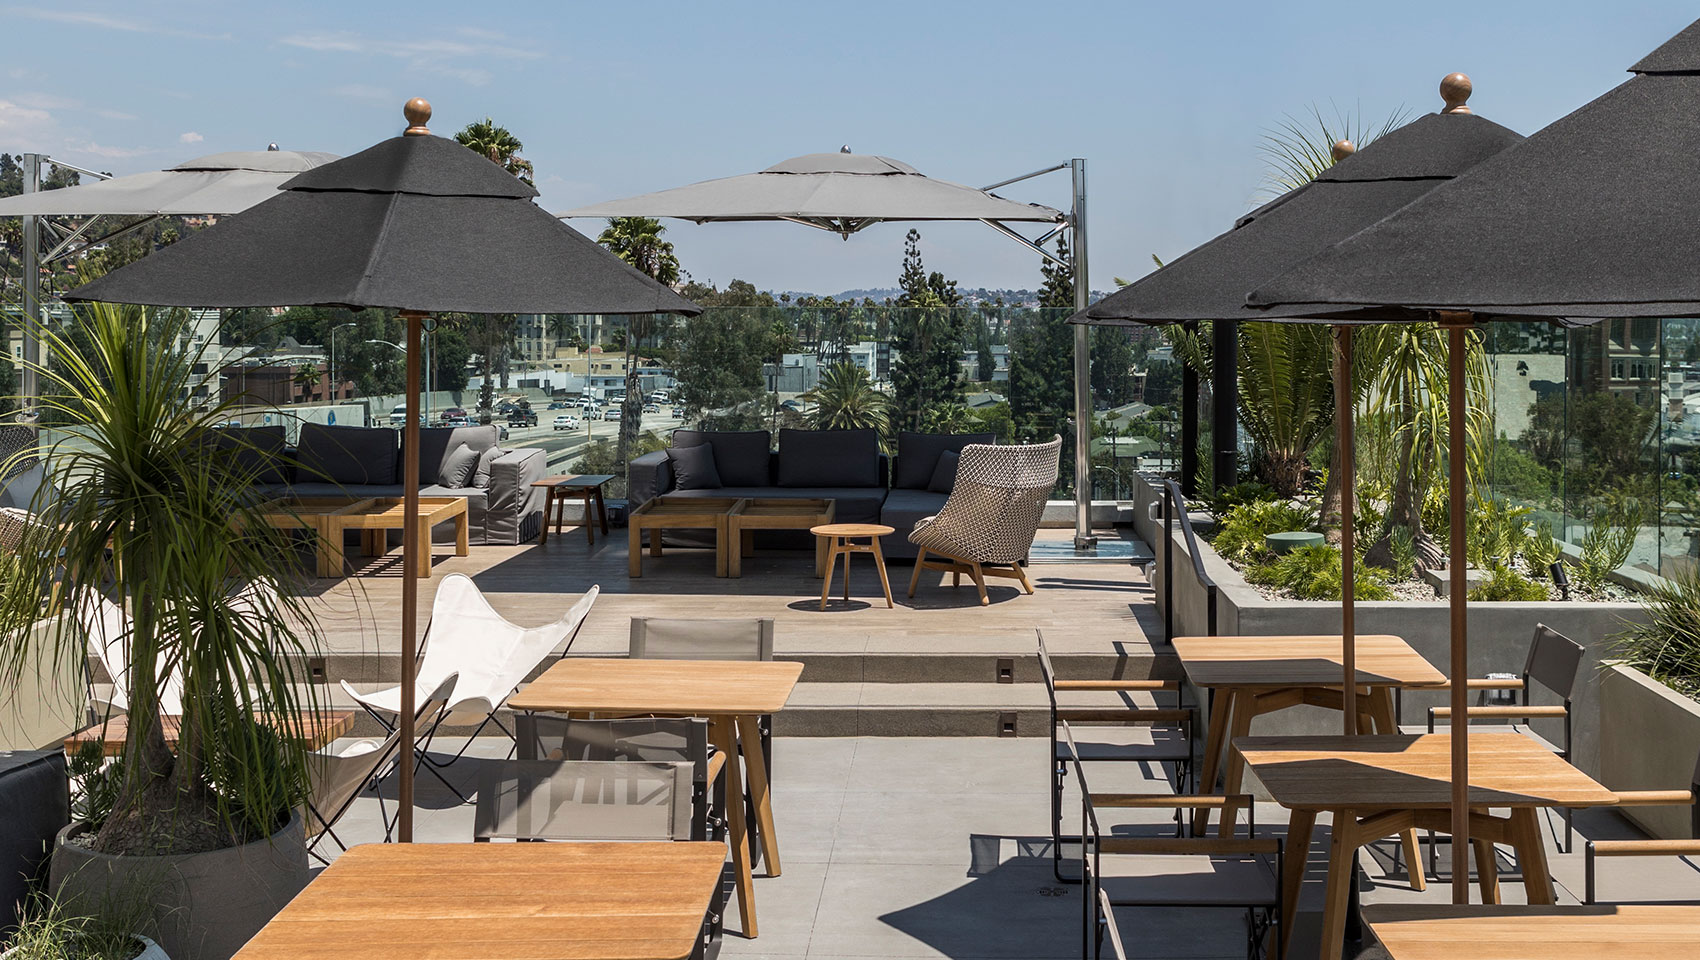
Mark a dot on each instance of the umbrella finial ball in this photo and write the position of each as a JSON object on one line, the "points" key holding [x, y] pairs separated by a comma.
{"points": [[1343, 149], [418, 113], [1455, 90]]}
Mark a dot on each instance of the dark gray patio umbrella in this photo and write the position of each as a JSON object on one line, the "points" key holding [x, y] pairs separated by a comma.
{"points": [[1593, 216], [417, 224]]}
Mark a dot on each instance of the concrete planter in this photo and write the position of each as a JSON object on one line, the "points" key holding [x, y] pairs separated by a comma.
{"points": [[148, 950], [1649, 739], [206, 905]]}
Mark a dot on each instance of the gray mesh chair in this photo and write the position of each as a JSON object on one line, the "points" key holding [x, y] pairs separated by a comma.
{"points": [[1553, 662], [1649, 848], [1239, 873], [658, 638], [1124, 732], [986, 527]]}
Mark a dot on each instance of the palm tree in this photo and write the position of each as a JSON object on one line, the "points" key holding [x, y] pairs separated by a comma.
{"points": [[845, 399], [306, 378], [637, 240], [488, 139]]}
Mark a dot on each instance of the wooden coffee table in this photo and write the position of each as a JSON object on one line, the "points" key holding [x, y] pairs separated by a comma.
{"points": [[841, 539], [374, 517], [678, 513], [309, 513], [774, 513], [587, 487]]}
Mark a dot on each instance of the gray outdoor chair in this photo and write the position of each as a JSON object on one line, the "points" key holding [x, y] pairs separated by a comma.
{"points": [[1125, 732], [1240, 873], [986, 527], [658, 638], [1649, 848]]}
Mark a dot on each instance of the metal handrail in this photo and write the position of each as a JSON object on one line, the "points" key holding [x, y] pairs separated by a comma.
{"points": [[1174, 505]]}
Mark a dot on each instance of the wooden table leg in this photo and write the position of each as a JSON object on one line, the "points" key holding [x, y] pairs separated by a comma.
{"points": [[879, 564], [844, 548], [1214, 742], [755, 770], [735, 557], [820, 556], [1297, 859], [327, 549], [463, 536], [548, 514], [1234, 770], [722, 733], [634, 549], [1342, 853], [826, 578], [722, 549], [1525, 831], [655, 541], [589, 525], [424, 548], [601, 511], [1487, 868], [560, 511], [1381, 712]]}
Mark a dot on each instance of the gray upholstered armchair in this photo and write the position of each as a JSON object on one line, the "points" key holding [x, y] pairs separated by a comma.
{"points": [[986, 527]]}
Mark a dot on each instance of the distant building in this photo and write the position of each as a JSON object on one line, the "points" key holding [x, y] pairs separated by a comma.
{"points": [[794, 373]]}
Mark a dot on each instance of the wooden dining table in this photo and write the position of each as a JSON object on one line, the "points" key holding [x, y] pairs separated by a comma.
{"points": [[731, 694], [1411, 931], [1375, 786], [539, 901], [1252, 676]]}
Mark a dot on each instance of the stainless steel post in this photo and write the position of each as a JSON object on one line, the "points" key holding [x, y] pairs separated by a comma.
{"points": [[1082, 368], [32, 288]]}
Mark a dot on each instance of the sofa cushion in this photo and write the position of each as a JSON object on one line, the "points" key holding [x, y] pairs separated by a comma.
{"points": [[944, 475], [741, 458], [436, 444], [481, 472], [320, 488], [902, 510], [346, 455], [257, 452], [855, 504], [458, 467], [693, 467], [918, 455], [819, 458]]}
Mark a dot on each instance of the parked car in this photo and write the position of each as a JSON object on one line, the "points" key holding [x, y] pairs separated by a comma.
{"points": [[613, 413], [567, 421], [659, 396], [522, 417], [651, 408], [678, 413], [792, 405], [398, 415]]}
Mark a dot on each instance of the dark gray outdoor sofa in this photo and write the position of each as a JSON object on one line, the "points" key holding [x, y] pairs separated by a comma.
{"points": [[501, 505], [842, 465]]}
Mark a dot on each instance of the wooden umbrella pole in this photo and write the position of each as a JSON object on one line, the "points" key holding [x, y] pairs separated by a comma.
{"points": [[1343, 441], [1457, 324], [410, 563]]}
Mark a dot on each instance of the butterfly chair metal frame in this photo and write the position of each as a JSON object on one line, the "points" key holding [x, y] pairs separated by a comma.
{"points": [[1112, 736], [1241, 877]]}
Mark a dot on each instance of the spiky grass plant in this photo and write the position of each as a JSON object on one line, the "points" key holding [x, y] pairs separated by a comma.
{"points": [[157, 513], [1667, 645], [1299, 149]]}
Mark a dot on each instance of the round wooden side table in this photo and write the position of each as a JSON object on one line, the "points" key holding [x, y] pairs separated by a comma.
{"points": [[843, 539]]}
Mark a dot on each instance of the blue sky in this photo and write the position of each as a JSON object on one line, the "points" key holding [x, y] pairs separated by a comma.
{"points": [[1165, 101]]}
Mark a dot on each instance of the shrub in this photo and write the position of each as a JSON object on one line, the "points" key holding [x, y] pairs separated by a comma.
{"points": [[1496, 532], [1314, 573], [1667, 646], [1403, 547], [1505, 584], [1611, 535], [1224, 499], [1542, 550], [1241, 533]]}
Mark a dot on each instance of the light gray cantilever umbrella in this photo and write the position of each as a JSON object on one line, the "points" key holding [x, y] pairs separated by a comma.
{"points": [[1592, 216], [417, 224]]}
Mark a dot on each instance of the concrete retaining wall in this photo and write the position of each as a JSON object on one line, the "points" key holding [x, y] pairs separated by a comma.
{"points": [[1499, 635]]}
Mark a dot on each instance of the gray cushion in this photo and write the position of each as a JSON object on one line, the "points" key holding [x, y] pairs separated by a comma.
{"points": [[257, 451], [818, 458], [346, 455], [944, 475], [901, 511], [481, 473], [693, 467], [436, 443], [740, 457], [458, 467], [318, 488], [918, 455]]}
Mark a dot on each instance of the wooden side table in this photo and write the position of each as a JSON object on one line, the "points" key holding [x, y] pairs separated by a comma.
{"points": [[678, 513], [842, 540], [776, 513], [586, 487]]}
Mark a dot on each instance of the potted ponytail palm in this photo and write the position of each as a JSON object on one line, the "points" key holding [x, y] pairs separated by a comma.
{"points": [[155, 514]]}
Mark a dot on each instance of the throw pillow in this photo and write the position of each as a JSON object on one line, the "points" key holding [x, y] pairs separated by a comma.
{"points": [[693, 468], [944, 476], [458, 468], [741, 458], [829, 458], [918, 455], [481, 473]]}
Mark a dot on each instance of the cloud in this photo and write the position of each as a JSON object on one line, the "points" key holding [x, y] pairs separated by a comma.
{"points": [[115, 115], [190, 137], [45, 101], [85, 18], [426, 54], [25, 126]]}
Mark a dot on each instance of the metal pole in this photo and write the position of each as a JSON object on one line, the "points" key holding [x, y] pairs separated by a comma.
{"points": [[1189, 422], [1224, 399], [411, 548], [1348, 522], [1082, 368], [32, 287], [1457, 324]]}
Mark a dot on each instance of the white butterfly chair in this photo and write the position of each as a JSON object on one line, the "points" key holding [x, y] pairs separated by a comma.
{"points": [[493, 657], [106, 627], [339, 773]]}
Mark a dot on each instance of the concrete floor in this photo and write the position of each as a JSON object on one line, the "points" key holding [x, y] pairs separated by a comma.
{"points": [[917, 847]]}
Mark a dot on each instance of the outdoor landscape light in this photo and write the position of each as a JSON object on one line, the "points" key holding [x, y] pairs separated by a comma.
{"points": [[1561, 579]]}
